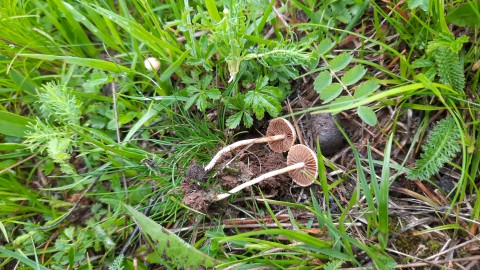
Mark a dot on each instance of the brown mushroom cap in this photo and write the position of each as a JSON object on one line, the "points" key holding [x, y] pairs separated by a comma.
{"points": [[280, 126], [301, 153]]}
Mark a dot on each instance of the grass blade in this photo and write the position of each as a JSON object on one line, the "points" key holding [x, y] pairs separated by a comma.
{"points": [[22, 259], [169, 244], [212, 10], [160, 46], [382, 196], [86, 62], [13, 125]]}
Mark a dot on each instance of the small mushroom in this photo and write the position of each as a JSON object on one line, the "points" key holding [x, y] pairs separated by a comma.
{"points": [[152, 63], [280, 137], [302, 166]]}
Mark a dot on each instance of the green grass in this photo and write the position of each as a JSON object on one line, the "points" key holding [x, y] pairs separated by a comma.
{"points": [[78, 104]]}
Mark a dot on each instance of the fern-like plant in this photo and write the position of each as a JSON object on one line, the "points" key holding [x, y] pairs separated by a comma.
{"points": [[449, 68], [441, 147], [55, 133], [117, 263], [444, 51]]}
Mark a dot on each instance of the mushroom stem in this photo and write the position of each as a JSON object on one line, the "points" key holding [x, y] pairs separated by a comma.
{"points": [[230, 147], [262, 177]]}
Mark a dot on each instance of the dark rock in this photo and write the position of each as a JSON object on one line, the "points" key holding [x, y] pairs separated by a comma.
{"points": [[323, 128]]}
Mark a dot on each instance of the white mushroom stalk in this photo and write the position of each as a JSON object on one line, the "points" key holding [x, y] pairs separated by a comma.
{"points": [[302, 167], [280, 137]]}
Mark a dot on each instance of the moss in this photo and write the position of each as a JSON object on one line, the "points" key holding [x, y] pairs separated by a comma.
{"points": [[420, 246]]}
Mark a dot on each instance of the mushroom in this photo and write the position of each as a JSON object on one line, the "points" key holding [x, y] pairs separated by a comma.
{"points": [[280, 137], [302, 166], [152, 63]]}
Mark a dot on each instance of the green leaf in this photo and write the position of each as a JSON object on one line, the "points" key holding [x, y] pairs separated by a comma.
{"points": [[353, 75], [423, 4], [86, 62], [201, 102], [325, 46], [234, 120], [213, 93], [136, 30], [341, 102], [212, 10], [365, 89], [258, 109], [190, 101], [330, 92], [272, 106], [22, 258], [13, 124], [96, 81], [140, 123], [421, 63], [173, 67], [340, 61], [323, 80], [367, 115], [172, 247], [22, 83], [247, 119], [465, 15]]}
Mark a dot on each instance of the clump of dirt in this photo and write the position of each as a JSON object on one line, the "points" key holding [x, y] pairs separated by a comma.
{"points": [[195, 197], [248, 164], [197, 172], [322, 127], [197, 200], [235, 174]]}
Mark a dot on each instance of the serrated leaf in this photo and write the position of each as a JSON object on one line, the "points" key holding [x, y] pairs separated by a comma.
{"points": [[258, 109], [237, 103], [262, 83], [272, 106], [234, 120], [95, 82], [323, 80], [367, 115], [330, 92], [354, 75], [213, 93], [190, 101], [201, 103], [273, 91], [325, 46], [247, 119], [442, 145], [340, 61], [365, 89]]}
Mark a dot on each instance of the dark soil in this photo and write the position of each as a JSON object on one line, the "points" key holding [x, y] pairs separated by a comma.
{"points": [[249, 163]]}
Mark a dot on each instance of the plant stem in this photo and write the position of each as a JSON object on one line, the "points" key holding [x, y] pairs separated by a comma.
{"points": [[259, 179], [239, 144]]}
